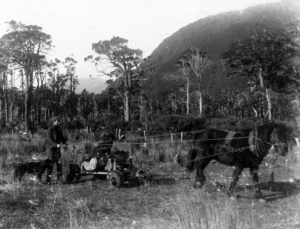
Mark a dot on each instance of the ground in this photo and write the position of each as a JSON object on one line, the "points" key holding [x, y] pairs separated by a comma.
{"points": [[168, 201]]}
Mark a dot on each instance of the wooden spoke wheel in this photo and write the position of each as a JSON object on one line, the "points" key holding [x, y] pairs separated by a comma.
{"points": [[115, 179]]}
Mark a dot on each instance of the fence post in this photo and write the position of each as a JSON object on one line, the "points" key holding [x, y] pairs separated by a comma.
{"points": [[181, 136], [171, 137], [145, 135]]}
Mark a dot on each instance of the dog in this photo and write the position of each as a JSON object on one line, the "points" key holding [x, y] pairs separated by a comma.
{"points": [[33, 167]]}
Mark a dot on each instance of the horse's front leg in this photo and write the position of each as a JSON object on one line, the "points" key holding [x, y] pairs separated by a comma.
{"points": [[235, 177], [255, 180], [271, 181], [200, 177]]}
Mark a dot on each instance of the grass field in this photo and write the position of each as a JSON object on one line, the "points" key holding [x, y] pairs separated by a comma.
{"points": [[168, 202]]}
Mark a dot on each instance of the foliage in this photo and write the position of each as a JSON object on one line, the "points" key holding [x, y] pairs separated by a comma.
{"points": [[25, 46], [273, 53], [175, 124], [120, 61], [267, 59]]}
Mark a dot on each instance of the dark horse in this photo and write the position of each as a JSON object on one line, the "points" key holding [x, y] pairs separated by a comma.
{"points": [[244, 149]]}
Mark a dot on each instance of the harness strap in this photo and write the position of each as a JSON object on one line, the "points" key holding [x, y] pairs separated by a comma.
{"points": [[229, 137], [252, 140]]}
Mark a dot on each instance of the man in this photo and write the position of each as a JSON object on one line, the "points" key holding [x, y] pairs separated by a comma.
{"points": [[55, 138]]}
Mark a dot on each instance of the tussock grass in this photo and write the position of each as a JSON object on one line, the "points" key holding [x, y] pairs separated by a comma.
{"points": [[201, 211], [169, 201]]}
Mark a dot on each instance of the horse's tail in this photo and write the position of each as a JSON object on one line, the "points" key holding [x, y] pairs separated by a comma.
{"points": [[191, 159]]}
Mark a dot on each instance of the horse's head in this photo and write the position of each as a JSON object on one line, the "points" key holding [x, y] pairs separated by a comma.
{"points": [[279, 140]]}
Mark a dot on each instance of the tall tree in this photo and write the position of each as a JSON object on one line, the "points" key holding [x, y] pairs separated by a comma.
{"points": [[3, 72], [184, 68], [26, 46], [57, 83], [116, 59], [267, 59], [70, 66], [198, 62]]}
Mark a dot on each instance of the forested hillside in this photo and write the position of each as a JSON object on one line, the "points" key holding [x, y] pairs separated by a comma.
{"points": [[215, 33], [240, 65]]}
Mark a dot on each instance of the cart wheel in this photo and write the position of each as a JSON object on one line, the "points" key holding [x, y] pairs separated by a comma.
{"points": [[115, 179]]}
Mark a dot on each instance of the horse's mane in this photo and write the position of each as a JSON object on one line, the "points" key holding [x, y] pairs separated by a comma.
{"points": [[284, 129]]}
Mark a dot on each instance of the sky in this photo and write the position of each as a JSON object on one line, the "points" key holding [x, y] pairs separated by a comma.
{"points": [[75, 24]]}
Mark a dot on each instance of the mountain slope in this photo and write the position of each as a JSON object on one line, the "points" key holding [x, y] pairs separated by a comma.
{"points": [[92, 85], [214, 34]]}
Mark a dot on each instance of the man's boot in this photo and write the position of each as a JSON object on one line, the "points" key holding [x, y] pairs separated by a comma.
{"points": [[59, 179]]}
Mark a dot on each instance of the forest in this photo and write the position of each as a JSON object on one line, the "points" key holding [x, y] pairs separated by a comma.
{"points": [[253, 76]]}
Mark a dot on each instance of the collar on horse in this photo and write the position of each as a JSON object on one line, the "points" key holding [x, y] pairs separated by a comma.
{"points": [[253, 142]]}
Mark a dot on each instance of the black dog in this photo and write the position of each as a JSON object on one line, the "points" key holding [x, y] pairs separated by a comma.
{"points": [[34, 167]]}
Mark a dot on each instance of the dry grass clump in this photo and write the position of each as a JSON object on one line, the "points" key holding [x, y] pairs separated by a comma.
{"points": [[201, 211], [168, 201]]}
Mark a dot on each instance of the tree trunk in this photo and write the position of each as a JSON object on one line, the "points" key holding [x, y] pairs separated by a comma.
{"points": [[27, 114], [1, 101], [187, 95], [268, 98], [126, 107], [12, 100], [5, 96], [267, 95], [174, 107], [28, 98], [11, 110], [143, 113], [200, 96], [96, 112], [39, 103], [6, 104], [200, 104]]}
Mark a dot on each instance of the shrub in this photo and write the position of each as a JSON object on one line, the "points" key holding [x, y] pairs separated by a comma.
{"points": [[176, 123]]}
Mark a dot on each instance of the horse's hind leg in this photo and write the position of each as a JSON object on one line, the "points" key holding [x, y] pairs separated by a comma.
{"points": [[235, 177], [200, 177], [255, 179]]}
